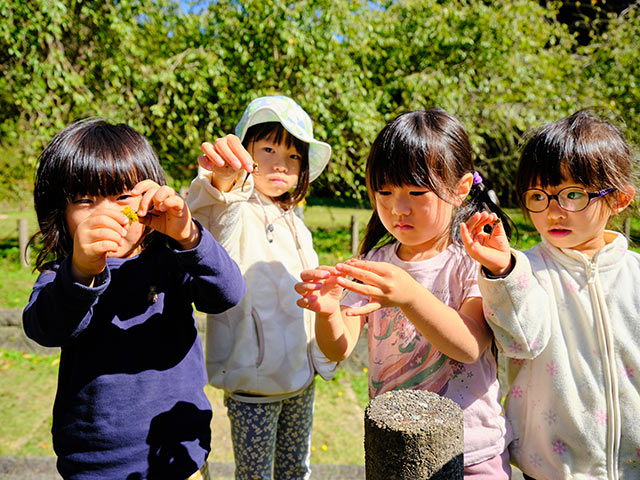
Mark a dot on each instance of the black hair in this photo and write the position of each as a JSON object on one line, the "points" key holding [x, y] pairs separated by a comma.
{"points": [[275, 132], [89, 157], [583, 147], [425, 148]]}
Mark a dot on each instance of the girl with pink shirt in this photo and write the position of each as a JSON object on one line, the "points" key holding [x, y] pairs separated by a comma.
{"points": [[415, 286]]}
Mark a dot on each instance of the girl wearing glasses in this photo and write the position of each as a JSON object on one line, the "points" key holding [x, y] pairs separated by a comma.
{"points": [[567, 312]]}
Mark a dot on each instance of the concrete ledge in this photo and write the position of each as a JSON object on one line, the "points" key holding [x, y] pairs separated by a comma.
{"points": [[44, 468]]}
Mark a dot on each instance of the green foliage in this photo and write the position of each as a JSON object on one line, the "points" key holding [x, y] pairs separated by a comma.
{"points": [[182, 77], [614, 67]]}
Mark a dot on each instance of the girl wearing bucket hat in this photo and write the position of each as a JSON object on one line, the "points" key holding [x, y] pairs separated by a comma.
{"points": [[263, 352]]}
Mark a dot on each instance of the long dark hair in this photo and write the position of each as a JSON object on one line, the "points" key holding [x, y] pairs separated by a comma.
{"points": [[425, 148], [89, 157], [275, 132], [584, 147]]}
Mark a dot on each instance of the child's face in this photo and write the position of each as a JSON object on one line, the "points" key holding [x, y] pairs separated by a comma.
{"points": [[278, 167], [84, 206], [582, 231], [416, 217]]}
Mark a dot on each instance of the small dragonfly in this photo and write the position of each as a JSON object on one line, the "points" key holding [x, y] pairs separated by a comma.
{"points": [[255, 170], [490, 227]]}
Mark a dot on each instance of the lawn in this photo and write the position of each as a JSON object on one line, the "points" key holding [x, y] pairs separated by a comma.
{"points": [[27, 389]]}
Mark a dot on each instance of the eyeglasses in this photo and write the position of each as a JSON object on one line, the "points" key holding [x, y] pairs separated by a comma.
{"points": [[571, 199]]}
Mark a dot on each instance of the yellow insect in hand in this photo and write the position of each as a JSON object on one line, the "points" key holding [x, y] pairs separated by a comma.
{"points": [[131, 215]]}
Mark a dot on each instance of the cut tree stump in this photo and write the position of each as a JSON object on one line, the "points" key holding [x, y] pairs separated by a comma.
{"points": [[413, 435]]}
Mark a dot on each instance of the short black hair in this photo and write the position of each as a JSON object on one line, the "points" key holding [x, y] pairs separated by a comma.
{"points": [[89, 157]]}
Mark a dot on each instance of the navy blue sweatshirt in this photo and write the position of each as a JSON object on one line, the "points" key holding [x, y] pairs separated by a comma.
{"points": [[130, 402]]}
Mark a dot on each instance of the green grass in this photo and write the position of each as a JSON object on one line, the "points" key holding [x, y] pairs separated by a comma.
{"points": [[27, 390], [16, 281]]}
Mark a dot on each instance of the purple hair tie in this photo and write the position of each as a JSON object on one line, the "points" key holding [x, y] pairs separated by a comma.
{"points": [[476, 178]]}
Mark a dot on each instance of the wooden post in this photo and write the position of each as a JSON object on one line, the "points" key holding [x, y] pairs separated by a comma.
{"points": [[627, 228], [23, 240], [355, 241], [413, 435]]}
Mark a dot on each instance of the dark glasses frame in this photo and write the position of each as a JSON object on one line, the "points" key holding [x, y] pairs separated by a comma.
{"points": [[591, 195]]}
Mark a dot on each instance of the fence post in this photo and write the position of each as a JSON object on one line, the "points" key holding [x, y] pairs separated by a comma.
{"points": [[23, 239], [627, 228], [355, 241], [413, 435]]}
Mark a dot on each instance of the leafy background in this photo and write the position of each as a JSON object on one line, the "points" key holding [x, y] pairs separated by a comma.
{"points": [[182, 72]]}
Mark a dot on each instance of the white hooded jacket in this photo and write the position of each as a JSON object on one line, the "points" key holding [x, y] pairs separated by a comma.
{"points": [[571, 327], [263, 349]]}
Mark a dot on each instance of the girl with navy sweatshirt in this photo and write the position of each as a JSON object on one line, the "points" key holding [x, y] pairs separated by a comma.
{"points": [[122, 263]]}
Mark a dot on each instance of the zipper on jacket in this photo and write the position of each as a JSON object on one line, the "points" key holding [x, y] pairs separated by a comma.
{"points": [[608, 357]]}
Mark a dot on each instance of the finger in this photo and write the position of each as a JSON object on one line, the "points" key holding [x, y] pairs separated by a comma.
{"points": [[146, 202], [235, 145], [473, 222], [377, 268], [309, 302], [466, 237], [363, 272], [107, 218], [320, 273], [363, 310], [221, 146], [359, 288], [304, 288], [143, 186], [163, 198], [210, 154], [206, 163], [175, 203]]}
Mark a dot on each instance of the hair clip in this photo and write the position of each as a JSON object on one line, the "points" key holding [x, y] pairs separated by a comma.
{"points": [[476, 178]]}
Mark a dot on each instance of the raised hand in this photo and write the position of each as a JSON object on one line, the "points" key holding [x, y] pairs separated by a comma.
{"points": [[385, 284], [491, 249], [226, 152], [320, 290], [101, 233], [162, 209]]}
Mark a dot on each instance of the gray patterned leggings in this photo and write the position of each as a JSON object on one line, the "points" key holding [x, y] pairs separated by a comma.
{"points": [[274, 436]]}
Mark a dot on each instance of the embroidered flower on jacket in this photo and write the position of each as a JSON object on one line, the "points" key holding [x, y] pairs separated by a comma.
{"points": [[550, 417], [516, 391], [572, 286], [523, 280], [515, 347], [628, 371], [535, 459], [559, 447], [601, 417], [553, 368]]}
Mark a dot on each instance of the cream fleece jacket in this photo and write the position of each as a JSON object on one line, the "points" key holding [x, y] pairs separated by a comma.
{"points": [[264, 346], [571, 327]]}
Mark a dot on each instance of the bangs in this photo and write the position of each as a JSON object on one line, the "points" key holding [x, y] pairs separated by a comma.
{"points": [[275, 132], [102, 175], [582, 149], [410, 152], [106, 161]]}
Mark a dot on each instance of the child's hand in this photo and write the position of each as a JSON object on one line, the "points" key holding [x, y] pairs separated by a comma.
{"points": [[492, 250], [226, 154], [162, 209], [385, 284], [99, 234], [320, 290]]}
